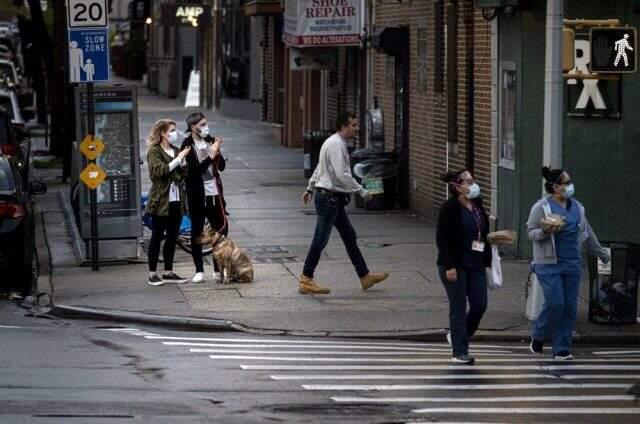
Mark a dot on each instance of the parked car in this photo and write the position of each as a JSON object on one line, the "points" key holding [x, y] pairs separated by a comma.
{"points": [[17, 229], [13, 146], [10, 79]]}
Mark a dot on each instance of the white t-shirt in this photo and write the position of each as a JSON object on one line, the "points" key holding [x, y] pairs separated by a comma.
{"points": [[174, 193], [210, 187]]}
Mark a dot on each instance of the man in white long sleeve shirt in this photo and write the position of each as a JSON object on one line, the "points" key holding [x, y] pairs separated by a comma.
{"points": [[333, 185]]}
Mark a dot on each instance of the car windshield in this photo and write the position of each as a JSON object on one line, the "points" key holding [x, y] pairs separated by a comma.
{"points": [[6, 183], [6, 71], [6, 106]]}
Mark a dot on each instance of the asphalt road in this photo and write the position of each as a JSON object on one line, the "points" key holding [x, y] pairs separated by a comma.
{"points": [[69, 371]]}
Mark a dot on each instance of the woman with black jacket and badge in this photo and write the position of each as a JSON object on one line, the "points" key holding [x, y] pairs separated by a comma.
{"points": [[463, 255], [204, 187]]}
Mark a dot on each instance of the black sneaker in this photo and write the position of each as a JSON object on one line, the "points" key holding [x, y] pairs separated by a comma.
{"points": [[564, 355], [536, 346], [154, 280], [172, 277], [463, 359]]}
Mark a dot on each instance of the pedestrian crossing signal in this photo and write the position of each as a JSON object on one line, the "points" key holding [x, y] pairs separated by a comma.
{"points": [[613, 50]]}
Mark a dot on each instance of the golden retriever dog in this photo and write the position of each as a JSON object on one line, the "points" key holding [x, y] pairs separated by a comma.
{"points": [[233, 261]]}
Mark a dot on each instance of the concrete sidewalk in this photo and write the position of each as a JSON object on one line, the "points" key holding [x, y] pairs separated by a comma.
{"points": [[263, 186]]}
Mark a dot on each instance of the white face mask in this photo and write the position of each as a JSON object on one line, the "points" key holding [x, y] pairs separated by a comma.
{"points": [[204, 131], [474, 191], [173, 137]]}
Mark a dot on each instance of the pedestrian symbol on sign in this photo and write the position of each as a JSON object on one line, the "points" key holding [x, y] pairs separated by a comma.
{"points": [[613, 50], [621, 46]]}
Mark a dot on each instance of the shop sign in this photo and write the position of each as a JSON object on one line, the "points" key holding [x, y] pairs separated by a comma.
{"points": [[314, 23], [188, 15], [312, 59]]}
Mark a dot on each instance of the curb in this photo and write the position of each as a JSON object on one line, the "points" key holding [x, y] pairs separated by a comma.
{"points": [[210, 324]]}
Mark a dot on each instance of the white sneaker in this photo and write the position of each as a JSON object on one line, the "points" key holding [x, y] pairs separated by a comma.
{"points": [[449, 338], [198, 278], [217, 278]]}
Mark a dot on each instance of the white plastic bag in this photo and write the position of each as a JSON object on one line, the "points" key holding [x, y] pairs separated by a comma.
{"points": [[494, 274]]}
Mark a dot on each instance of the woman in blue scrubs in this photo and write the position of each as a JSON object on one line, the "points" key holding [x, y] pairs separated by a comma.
{"points": [[557, 262]]}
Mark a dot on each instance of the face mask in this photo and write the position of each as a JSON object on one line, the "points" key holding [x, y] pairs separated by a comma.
{"points": [[173, 137], [474, 191], [569, 191], [204, 131]]}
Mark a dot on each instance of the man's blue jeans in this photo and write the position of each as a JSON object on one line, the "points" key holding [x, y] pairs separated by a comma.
{"points": [[330, 211], [557, 319], [471, 284]]}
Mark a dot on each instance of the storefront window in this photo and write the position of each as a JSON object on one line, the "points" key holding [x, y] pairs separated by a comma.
{"points": [[507, 136]]}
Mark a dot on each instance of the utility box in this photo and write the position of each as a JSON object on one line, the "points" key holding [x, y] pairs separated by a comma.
{"points": [[118, 207]]}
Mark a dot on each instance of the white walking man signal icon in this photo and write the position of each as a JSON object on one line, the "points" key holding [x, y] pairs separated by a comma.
{"points": [[621, 46]]}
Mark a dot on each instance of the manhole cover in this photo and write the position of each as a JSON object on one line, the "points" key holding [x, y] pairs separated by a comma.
{"points": [[278, 260], [265, 249]]}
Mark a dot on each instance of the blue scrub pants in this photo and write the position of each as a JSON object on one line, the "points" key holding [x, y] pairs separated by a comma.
{"points": [[557, 320]]}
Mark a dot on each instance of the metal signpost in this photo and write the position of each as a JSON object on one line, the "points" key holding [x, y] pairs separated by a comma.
{"points": [[88, 33]]}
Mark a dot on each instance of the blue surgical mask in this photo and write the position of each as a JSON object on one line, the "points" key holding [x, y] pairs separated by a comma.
{"points": [[569, 191], [474, 191], [173, 137]]}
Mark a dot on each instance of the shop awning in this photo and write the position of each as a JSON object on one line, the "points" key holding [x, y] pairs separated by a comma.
{"points": [[322, 23]]}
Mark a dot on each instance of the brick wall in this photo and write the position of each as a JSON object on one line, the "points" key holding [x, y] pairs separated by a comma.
{"points": [[428, 120]]}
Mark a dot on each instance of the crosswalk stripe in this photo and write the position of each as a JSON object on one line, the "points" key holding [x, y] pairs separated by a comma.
{"points": [[579, 398], [618, 352], [407, 360], [436, 367], [325, 342], [384, 348], [452, 376], [545, 411], [330, 352], [385, 387]]}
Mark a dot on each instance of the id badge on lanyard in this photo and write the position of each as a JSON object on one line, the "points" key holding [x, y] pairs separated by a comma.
{"points": [[477, 245]]}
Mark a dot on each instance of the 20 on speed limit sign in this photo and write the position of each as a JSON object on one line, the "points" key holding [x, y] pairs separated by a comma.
{"points": [[87, 13]]}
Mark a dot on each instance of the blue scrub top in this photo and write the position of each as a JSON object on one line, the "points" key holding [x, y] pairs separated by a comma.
{"points": [[567, 242]]}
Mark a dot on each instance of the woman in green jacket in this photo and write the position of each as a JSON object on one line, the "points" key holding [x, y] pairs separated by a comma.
{"points": [[166, 203]]}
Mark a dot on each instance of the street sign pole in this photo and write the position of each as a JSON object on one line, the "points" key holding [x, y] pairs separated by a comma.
{"points": [[88, 34], [93, 196]]}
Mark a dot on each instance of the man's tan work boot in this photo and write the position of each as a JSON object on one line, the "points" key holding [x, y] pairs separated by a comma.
{"points": [[373, 278], [308, 286]]}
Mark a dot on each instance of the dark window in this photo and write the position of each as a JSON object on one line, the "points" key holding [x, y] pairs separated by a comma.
{"points": [[4, 129], [6, 71], [6, 106], [6, 181]]}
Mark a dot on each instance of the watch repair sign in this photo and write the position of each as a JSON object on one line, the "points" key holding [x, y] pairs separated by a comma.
{"points": [[321, 23]]}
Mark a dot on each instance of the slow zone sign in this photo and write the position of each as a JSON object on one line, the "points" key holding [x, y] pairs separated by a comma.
{"points": [[314, 23]]}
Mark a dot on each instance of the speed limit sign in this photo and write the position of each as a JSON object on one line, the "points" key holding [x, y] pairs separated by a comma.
{"points": [[87, 13]]}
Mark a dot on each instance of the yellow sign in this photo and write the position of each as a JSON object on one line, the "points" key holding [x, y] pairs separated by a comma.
{"points": [[92, 176], [91, 147]]}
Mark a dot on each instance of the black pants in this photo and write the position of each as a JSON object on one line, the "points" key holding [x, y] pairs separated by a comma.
{"points": [[161, 225], [472, 285], [214, 213]]}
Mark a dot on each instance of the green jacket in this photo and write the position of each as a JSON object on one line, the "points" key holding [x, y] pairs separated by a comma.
{"points": [[161, 179]]}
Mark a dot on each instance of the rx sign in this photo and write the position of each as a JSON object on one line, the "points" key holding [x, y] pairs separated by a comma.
{"points": [[89, 55], [87, 13]]}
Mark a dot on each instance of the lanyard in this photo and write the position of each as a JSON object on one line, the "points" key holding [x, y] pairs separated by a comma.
{"points": [[478, 219]]}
